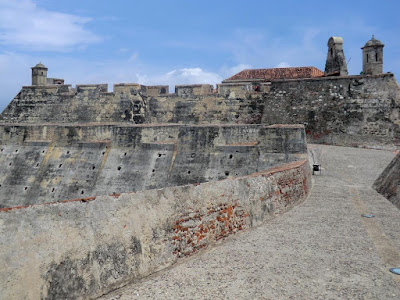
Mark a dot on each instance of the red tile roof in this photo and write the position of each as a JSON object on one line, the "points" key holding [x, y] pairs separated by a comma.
{"points": [[277, 73]]}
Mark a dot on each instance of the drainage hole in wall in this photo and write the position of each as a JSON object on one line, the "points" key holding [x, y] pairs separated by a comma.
{"points": [[93, 167], [119, 168], [37, 165], [60, 166], [82, 192], [52, 190], [1, 150], [16, 150], [159, 154], [103, 153], [125, 154], [67, 152], [230, 156], [188, 172], [10, 164], [153, 170], [226, 173], [25, 188], [43, 151]]}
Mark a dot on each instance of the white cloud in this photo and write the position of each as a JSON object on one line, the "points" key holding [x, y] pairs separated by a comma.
{"points": [[132, 72], [171, 73], [181, 76], [283, 64], [24, 24]]}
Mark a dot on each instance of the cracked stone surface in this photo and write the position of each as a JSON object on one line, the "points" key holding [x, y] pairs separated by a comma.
{"points": [[321, 249]]}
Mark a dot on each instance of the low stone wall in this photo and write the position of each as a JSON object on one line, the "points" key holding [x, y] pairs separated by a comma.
{"points": [[84, 248], [388, 183]]}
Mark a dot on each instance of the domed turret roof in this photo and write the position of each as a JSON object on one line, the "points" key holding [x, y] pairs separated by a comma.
{"points": [[40, 65], [373, 42], [335, 40]]}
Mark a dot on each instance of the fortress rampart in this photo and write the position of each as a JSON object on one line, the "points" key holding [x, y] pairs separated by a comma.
{"points": [[346, 110], [45, 163], [83, 249], [181, 170]]}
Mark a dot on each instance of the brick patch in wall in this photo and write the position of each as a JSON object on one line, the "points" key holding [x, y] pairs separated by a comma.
{"points": [[197, 230]]}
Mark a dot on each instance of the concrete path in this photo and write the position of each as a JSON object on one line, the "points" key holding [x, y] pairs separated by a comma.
{"points": [[321, 249]]}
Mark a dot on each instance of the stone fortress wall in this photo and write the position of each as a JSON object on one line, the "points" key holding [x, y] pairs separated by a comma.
{"points": [[82, 249], [350, 110], [46, 163], [181, 170], [347, 110]]}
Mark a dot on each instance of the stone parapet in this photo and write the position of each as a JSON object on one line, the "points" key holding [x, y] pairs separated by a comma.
{"points": [[84, 248], [45, 163]]}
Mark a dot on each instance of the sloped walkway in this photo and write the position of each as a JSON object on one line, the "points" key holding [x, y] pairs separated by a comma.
{"points": [[321, 249]]}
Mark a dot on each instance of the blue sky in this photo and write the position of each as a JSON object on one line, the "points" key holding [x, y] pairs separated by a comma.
{"points": [[186, 41]]}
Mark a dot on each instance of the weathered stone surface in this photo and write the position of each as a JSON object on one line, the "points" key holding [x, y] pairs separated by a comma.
{"points": [[353, 110], [349, 110], [388, 183], [373, 57], [335, 61], [44, 163], [83, 249], [321, 249]]}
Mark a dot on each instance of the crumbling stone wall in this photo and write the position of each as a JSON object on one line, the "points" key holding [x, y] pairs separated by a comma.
{"points": [[132, 104], [84, 104], [84, 248], [351, 111]]}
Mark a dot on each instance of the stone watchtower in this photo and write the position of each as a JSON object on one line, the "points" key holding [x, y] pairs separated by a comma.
{"points": [[39, 74], [373, 57], [335, 61]]}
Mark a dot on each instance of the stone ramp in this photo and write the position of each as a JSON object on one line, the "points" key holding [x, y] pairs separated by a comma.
{"points": [[322, 249]]}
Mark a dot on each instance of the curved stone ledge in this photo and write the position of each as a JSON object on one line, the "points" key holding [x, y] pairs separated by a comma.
{"points": [[55, 162], [83, 249]]}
